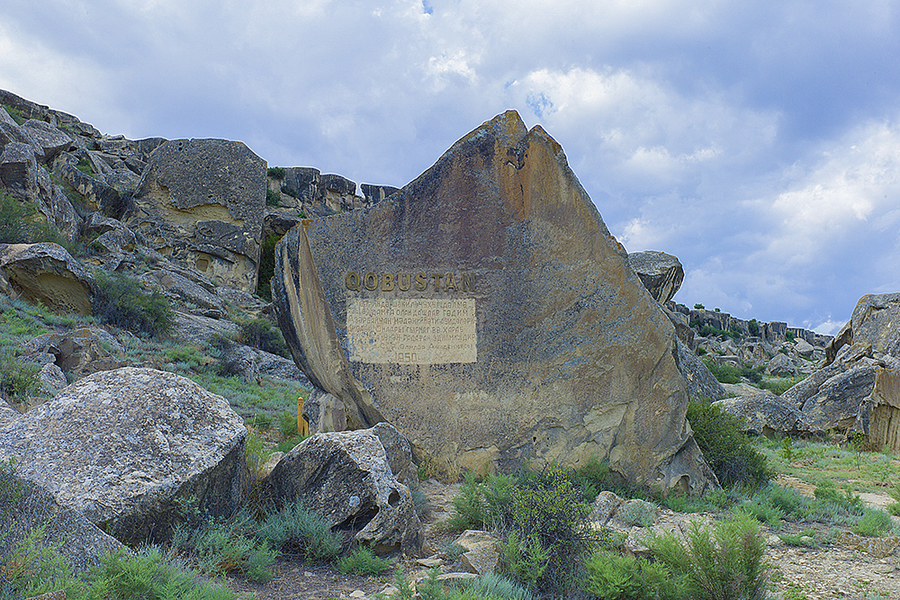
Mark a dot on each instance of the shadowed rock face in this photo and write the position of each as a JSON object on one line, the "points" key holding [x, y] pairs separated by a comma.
{"points": [[492, 317]]}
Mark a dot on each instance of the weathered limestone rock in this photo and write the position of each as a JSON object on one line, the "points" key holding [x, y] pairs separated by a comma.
{"points": [[766, 414], [879, 416], [124, 447], [182, 287], [346, 478], [605, 506], [482, 555], [82, 351], [48, 274], [489, 312], [202, 204], [781, 365], [82, 542], [831, 397], [49, 140], [7, 413], [660, 273], [702, 385], [27, 180]]}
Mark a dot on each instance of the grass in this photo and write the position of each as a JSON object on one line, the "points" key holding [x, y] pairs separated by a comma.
{"points": [[813, 461]]}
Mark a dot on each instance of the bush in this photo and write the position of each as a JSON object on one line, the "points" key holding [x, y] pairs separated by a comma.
{"points": [[16, 220], [121, 302], [483, 505], [225, 545], [547, 506], [260, 333], [727, 450], [296, 530], [362, 562], [614, 577], [873, 523], [525, 560], [17, 377], [266, 267], [276, 172], [150, 576], [273, 198], [721, 563], [492, 585]]}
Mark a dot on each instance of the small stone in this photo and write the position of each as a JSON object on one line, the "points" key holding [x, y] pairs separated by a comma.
{"points": [[430, 562]]}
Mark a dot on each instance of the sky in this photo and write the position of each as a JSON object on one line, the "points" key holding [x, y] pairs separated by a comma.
{"points": [[759, 142]]}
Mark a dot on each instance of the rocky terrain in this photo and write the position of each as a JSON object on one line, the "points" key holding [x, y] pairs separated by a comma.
{"points": [[150, 413]]}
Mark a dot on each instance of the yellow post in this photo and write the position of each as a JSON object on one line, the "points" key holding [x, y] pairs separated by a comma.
{"points": [[302, 425]]}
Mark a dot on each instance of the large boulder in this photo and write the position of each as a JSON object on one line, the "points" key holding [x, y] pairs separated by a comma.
{"points": [[702, 385], [879, 416], [874, 322], [831, 397], [202, 204], [764, 413], [31, 512], [660, 273], [346, 478], [491, 315], [48, 274], [128, 447], [79, 351]]}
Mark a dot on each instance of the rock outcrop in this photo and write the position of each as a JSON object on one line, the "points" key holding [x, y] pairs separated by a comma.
{"points": [[127, 447], [495, 320], [346, 478], [46, 273], [201, 203], [660, 273]]}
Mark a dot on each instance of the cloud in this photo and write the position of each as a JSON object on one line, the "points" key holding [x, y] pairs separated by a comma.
{"points": [[756, 142]]}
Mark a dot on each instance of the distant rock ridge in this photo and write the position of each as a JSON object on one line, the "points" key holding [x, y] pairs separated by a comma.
{"points": [[773, 331]]}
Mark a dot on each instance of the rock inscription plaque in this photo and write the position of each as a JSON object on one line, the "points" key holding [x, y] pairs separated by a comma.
{"points": [[417, 331]]}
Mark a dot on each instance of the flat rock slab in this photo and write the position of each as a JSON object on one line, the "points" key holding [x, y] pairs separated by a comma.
{"points": [[486, 311]]}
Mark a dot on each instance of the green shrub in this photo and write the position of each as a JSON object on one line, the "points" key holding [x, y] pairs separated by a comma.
{"points": [[724, 373], [724, 562], [753, 327], [16, 220], [780, 385], [276, 172], [18, 378], [873, 523], [225, 545], [273, 198], [484, 504], [260, 333], [595, 477], [148, 575], [524, 559], [615, 577], [120, 301], [727, 450], [492, 585], [807, 538], [547, 506], [266, 267], [638, 513], [295, 530], [362, 562]]}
